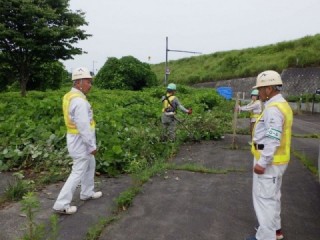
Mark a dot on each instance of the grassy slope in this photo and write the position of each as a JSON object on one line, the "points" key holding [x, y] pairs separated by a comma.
{"points": [[249, 62]]}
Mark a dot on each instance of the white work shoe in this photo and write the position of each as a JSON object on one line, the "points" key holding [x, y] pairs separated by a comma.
{"points": [[68, 211], [95, 195]]}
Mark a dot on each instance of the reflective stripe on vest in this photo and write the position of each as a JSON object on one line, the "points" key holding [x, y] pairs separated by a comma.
{"points": [[71, 126], [166, 103], [254, 115], [282, 154]]}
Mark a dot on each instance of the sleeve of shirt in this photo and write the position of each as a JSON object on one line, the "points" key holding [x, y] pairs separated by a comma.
{"points": [[274, 120], [250, 106], [180, 106], [82, 121]]}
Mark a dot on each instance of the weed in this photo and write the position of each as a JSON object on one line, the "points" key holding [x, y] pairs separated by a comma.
{"points": [[202, 169], [125, 198], [306, 162], [18, 187], [30, 205], [95, 231]]}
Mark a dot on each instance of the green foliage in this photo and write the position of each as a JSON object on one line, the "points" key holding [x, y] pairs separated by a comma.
{"points": [[54, 232], [304, 98], [36, 32], [48, 76], [18, 187], [125, 199], [249, 62], [127, 73], [30, 206], [128, 128]]}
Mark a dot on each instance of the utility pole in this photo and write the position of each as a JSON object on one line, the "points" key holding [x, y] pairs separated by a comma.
{"points": [[93, 67], [167, 71]]}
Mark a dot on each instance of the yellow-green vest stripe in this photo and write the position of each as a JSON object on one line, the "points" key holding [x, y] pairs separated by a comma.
{"points": [[166, 102], [254, 115], [282, 155], [71, 126]]}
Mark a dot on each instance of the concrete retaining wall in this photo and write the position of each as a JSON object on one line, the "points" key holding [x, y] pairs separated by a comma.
{"points": [[305, 107], [296, 81]]}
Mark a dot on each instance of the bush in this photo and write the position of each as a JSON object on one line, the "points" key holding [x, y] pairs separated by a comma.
{"points": [[127, 73]]}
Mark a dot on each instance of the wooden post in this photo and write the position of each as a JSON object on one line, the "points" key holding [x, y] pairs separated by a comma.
{"points": [[234, 123]]}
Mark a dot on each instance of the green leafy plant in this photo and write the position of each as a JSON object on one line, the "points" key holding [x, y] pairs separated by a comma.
{"points": [[18, 187], [128, 129], [30, 206]]}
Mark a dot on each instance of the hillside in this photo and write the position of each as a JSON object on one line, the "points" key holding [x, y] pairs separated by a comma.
{"points": [[300, 53]]}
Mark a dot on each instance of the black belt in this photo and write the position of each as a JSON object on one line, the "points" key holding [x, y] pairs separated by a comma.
{"points": [[258, 146]]}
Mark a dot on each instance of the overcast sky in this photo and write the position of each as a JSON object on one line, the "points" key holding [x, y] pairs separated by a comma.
{"points": [[139, 27]]}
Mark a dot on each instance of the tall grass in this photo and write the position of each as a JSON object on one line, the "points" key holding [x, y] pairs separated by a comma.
{"points": [[248, 62]]}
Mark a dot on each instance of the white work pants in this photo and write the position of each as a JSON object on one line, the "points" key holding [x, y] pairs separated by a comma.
{"points": [[266, 193], [83, 170]]}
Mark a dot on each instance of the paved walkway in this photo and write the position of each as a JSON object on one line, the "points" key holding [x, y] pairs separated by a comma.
{"points": [[184, 205]]}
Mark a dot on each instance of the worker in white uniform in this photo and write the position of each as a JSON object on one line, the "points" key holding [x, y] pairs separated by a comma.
{"points": [[254, 107], [271, 150], [81, 142]]}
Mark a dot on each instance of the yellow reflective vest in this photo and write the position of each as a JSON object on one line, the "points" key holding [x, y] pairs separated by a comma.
{"points": [[254, 115], [167, 107], [282, 154], [71, 126]]}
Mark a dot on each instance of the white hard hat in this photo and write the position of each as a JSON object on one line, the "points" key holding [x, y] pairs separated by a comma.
{"points": [[268, 78], [81, 73]]}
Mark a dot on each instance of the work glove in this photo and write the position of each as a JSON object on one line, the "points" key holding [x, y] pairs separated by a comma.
{"points": [[189, 111]]}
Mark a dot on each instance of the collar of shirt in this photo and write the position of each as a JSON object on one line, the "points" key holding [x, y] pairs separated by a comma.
{"points": [[276, 98], [77, 90]]}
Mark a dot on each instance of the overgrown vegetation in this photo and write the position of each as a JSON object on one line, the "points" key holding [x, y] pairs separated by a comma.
{"points": [[249, 62], [128, 128]]}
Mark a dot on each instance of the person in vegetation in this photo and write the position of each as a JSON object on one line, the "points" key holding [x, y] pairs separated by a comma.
{"points": [[170, 105], [81, 142], [254, 107], [271, 151]]}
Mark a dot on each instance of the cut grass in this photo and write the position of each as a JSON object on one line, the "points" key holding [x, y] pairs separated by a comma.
{"points": [[306, 162]]}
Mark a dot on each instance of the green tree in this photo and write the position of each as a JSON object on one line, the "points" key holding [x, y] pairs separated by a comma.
{"points": [[48, 76], [34, 32], [127, 73]]}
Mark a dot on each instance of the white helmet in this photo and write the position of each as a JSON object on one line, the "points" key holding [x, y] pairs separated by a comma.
{"points": [[268, 78], [81, 73]]}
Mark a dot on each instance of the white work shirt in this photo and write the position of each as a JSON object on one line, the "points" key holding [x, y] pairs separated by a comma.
{"points": [[271, 122], [81, 114], [255, 107]]}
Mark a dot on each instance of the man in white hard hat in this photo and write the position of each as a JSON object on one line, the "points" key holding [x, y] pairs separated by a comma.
{"points": [[271, 150], [81, 142], [170, 106]]}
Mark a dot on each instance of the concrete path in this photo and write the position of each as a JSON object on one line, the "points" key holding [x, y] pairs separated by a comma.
{"points": [[185, 205], [194, 206]]}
